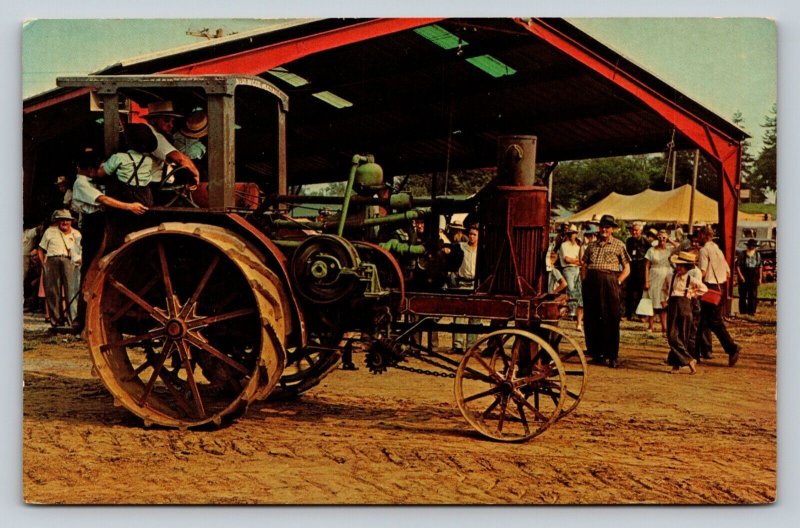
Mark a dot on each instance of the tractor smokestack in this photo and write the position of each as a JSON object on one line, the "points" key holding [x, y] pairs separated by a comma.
{"points": [[516, 160]]}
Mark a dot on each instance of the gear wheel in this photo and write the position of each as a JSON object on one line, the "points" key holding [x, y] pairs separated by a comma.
{"points": [[380, 357]]}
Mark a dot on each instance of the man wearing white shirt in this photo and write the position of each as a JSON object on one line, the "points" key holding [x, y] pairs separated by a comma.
{"points": [[715, 272]]}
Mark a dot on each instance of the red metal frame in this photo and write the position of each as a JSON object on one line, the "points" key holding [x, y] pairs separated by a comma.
{"points": [[724, 151], [256, 61]]}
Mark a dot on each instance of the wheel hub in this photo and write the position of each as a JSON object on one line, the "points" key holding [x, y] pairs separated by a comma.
{"points": [[175, 328]]}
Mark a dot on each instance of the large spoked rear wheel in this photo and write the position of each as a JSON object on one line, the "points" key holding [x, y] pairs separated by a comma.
{"points": [[186, 325], [572, 357], [510, 385]]}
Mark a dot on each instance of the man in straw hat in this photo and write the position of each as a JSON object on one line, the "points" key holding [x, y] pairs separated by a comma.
{"points": [[161, 118], [607, 266], [60, 251], [187, 139], [680, 289]]}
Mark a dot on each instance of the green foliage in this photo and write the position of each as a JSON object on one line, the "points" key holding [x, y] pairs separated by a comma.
{"points": [[748, 164], [765, 169], [328, 189], [464, 182], [578, 184]]}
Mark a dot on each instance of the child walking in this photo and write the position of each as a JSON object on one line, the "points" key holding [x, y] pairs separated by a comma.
{"points": [[680, 288]]}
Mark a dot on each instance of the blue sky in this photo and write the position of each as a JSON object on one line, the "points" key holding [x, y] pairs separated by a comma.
{"points": [[728, 64]]}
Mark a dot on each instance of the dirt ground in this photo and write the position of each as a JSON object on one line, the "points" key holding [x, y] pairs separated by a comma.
{"points": [[640, 436]]}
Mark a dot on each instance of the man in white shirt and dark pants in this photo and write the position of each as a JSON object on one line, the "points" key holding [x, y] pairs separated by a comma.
{"points": [[715, 272]]}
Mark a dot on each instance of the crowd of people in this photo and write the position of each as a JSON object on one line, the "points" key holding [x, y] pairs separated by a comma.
{"points": [[89, 208], [678, 280]]}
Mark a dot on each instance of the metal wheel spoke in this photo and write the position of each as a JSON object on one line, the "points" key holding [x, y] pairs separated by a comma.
{"points": [[129, 304], [521, 411], [166, 351], [503, 408], [205, 321], [138, 300], [489, 392], [480, 376], [162, 258], [135, 339], [138, 370], [199, 343], [308, 359], [180, 399], [519, 398], [490, 408], [514, 358], [200, 287], [574, 372], [489, 369], [187, 366]]}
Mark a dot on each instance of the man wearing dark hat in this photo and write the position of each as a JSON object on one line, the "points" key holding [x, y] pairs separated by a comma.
{"points": [[161, 118], [607, 266], [749, 269]]}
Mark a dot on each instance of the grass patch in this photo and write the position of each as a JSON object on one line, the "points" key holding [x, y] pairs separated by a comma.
{"points": [[768, 290], [757, 208]]}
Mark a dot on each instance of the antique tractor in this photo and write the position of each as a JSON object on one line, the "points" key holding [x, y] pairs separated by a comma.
{"points": [[223, 298]]}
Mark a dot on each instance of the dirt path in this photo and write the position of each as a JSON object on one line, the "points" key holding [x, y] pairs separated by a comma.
{"points": [[639, 436]]}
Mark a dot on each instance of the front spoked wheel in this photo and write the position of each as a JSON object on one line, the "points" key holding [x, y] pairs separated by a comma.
{"points": [[510, 385]]}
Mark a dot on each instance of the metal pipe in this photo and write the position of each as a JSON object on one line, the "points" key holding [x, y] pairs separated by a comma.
{"points": [[378, 220], [348, 192], [694, 187]]}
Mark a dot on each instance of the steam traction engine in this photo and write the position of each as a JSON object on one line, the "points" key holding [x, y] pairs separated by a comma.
{"points": [[222, 298]]}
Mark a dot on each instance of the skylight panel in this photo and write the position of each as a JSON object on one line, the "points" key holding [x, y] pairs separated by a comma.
{"points": [[440, 36], [289, 78], [492, 66], [332, 99]]}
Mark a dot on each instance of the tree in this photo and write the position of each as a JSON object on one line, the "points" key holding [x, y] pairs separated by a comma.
{"points": [[578, 184], [748, 163], [765, 169]]}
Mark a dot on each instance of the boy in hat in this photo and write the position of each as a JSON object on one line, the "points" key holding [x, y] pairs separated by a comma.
{"points": [[60, 251], [680, 289], [607, 267]]}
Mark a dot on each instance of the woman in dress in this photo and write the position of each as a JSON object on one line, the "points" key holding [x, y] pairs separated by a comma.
{"points": [[657, 270]]}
